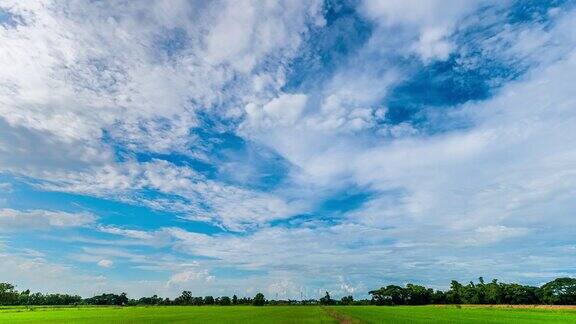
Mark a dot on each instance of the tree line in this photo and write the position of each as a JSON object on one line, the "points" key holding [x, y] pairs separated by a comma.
{"points": [[10, 296], [560, 291]]}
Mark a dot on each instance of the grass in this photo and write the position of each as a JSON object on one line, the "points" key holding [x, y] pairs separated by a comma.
{"points": [[159, 314], [285, 314], [453, 314]]}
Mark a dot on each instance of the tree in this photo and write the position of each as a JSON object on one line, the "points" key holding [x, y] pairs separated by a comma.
{"points": [[8, 294], [389, 295], [208, 300], [493, 292], [24, 297], [418, 295], [122, 299], [469, 294], [326, 300], [258, 300], [518, 294], [154, 300], [104, 299], [347, 300], [225, 301], [439, 297], [245, 301], [184, 299], [453, 296], [198, 301], [234, 300], [561, 291]]}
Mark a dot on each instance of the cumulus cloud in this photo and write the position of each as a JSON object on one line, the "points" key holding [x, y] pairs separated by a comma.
{"points": [[54, 83], [187, 277], [104, 263], [136, 103], [282, 111], [430, 23], [142, 87]]}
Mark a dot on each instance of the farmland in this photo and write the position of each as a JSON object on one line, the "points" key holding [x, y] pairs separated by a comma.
{"points": [[286, 314], [453, 314], [160, 314]]}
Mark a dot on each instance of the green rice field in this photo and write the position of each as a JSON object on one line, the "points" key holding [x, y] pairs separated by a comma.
{"points": [[285, 314], [453, 314]]}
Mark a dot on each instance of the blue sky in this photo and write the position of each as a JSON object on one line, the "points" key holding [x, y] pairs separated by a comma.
{"points": [[285, 147]]}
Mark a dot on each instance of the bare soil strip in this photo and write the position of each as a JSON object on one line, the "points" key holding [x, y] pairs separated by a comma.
{"points": [[341, 318]]}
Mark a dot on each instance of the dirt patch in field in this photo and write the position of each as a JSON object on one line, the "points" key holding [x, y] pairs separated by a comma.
{"points": [[341, 318], [569, 307]]}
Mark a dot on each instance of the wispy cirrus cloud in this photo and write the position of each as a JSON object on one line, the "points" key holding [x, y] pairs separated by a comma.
{"points": [[11, 219]]}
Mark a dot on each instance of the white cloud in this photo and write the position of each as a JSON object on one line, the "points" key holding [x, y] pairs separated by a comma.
{"points": [[432, 44], [75, 79], [104, 263], [282, 111], [5, 188], [246, 31], [415, 12], [39, 274], [11, 219], [488, 234], [132, 234], [429, 23], [72, 72], [346, 287], [467, 178], [506, 177], [341, 258], [230, 206], [187, 277]]}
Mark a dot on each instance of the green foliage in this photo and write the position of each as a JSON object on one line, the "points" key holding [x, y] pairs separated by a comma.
{"points": [[197, 301], [517, 294], [258, 300], [347, 300], [225, 301], [561, 291], [208, 300], [185, 298], [492, 293], [8, 294], [438, 297], [154, 300], [389, 295], [326, 300], [453, 296], [108, 299], [418, 295]]}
